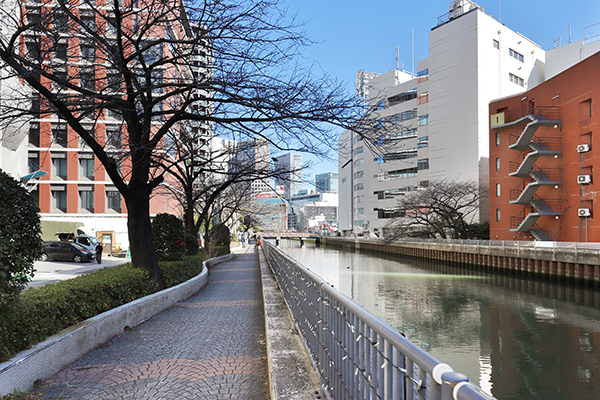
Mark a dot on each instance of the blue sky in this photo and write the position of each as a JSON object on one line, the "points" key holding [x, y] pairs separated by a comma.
{"points": [[357, 35]]}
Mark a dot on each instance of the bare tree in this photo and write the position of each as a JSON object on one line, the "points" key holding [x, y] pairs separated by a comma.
{"points": [[153, 67], [445, 209]]}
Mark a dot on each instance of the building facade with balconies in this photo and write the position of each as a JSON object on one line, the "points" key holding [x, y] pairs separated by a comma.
{"points": [[434, 123], [543, 159], [69, 183]]}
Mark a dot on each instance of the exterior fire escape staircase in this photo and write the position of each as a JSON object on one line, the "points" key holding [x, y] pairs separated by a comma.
{"points": [[532, 176]]}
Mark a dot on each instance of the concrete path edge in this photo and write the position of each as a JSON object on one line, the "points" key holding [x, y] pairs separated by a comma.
{"points": [[291, 374], [49, 357]]}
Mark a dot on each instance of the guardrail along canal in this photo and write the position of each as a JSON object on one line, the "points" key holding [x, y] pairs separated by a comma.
{"points": [[516, 337]]}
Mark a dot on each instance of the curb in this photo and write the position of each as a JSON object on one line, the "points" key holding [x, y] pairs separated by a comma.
{"points": [[52, 355], [291, 374]]}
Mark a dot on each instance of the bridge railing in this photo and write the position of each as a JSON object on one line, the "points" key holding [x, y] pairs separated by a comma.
{"points": [[355, 354]]}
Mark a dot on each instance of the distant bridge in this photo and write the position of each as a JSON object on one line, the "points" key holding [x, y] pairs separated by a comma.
{"points": [[290, 235]]}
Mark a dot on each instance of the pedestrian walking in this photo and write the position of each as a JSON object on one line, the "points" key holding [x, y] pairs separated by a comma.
{"points": [[99, 253]]}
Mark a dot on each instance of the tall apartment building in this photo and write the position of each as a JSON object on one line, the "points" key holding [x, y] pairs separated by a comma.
{"points": [[544, 156], [252, 156], [292, 181], [437, 120], [75, 190], [327, 182]]}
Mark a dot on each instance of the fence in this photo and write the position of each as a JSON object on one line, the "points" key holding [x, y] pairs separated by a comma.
{"points": [[356, 355]]}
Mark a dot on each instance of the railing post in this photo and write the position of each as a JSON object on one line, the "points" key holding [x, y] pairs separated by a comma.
{"points": [[449, 382]]}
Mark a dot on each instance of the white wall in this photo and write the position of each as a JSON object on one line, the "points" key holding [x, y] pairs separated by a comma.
{"points": [[562, 58]]}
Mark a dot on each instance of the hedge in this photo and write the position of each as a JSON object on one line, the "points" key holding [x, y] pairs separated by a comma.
{"points": [[45, 311]]}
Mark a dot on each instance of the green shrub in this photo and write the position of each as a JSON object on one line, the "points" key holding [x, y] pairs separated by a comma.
{"points": [[176, 272], [220, 236], [191, 244], [20, 241], [168, 237], [42, 312]]}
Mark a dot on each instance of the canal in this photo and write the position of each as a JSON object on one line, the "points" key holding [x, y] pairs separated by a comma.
{"points": [[515, 337]]}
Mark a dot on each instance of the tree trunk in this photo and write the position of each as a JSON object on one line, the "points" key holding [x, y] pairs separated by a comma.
{"points": [[141, 245]]}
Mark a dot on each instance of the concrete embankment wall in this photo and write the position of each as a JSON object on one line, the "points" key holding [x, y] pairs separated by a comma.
{"points": [[562, 264]]}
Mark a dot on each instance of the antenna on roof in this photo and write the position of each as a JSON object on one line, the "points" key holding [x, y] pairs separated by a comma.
{"points": [[397, 58], [413, 52]]}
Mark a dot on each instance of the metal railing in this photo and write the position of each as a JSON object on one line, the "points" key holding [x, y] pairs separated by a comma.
{"points": [[356, 355]]}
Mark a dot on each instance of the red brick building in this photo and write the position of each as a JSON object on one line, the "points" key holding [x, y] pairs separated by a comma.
{"points": [[544, 151], [77, 188]]}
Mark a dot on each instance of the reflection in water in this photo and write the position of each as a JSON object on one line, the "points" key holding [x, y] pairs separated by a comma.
{"points": [[515, 337]]}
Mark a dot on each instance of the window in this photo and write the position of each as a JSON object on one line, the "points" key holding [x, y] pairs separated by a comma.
{"points": [[398, 174], [87, 52], [34, 134], [88, 21], [359, 223], [403, 134], [86, 199], [33, 160], [515, 79], [515, 55], [34, 49], [497, 215], [402, 97], [59, 167], [111, 27], [359, 199], [422, 142], [497, 190], [402, 155], [61, 78], [113, 114], [496, 44], [379, 105], [87, 168], [359, 162], [61, 51], [113, 201], [359, 174], [585, 109], [359, 211], [497, 138], [423, 98], [359, 186], [358, 150], [113, 136], [61, 21], [383, 213], [424, 120], [59, 199], [357, 138], [87, 79], [423, 164], [498, 164], [423, 76], [59, 133]]}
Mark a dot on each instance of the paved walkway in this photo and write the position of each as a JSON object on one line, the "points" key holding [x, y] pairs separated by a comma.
{"points": [[211, 346]]}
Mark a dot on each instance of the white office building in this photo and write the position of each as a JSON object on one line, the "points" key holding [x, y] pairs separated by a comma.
{"points": [[292, 179], [439, 115]]}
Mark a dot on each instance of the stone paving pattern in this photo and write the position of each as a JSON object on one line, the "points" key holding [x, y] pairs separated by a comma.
{"points": [[211, 346]]}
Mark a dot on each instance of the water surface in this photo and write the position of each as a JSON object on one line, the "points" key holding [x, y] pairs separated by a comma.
{"points": [[515, 337]]}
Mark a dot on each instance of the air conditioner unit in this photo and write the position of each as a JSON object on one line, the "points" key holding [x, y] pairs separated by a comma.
{"points": [[584, 212], [582, 148], [584, 179]]}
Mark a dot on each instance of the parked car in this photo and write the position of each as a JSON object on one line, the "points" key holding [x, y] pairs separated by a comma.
{"points": [[89, 242], [65, 251]]}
